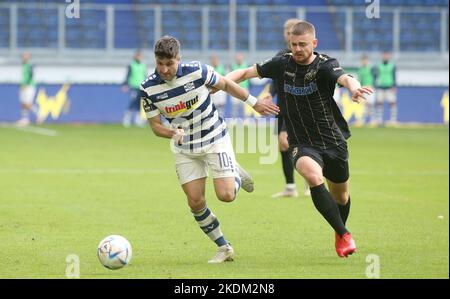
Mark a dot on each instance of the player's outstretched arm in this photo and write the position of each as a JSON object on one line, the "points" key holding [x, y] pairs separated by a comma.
{"points": [[242, 74], [354, 87], [162, 131], [263, 106]]}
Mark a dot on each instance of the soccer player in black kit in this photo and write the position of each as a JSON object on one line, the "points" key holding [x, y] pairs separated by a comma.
{"points": [[317, 131]]}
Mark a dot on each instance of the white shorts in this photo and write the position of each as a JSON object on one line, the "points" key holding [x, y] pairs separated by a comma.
{"points": [[388, 95], [26, 94], [219, 157]]}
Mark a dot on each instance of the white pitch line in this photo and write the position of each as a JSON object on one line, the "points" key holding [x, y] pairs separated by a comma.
{"points": [[437, 172], [36, 130], [85, 171], [31, 129]]}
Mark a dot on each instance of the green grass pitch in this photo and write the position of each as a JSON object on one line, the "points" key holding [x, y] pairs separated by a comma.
{"points": [[60, 195]]}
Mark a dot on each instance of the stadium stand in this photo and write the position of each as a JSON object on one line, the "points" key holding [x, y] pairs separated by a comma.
{"points": [[135, 27]]}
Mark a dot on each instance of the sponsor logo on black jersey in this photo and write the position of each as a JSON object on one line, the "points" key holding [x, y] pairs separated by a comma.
{"points": [[301, 91]]}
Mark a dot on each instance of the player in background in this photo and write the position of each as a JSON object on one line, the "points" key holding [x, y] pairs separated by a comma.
{"points": [[236, 106], [386, 87], [136, 73], [366, 78], [316, 129], [290, 190], [181, 92], [27, 91]]}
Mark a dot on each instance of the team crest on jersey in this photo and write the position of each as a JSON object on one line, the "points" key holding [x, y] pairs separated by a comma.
{"points": [[189, 86], [311, 75]]}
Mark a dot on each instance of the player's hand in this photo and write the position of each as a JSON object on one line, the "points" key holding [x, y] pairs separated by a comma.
{"points": [[283, 141], [265, 106], [359, 95], [178, 135]]}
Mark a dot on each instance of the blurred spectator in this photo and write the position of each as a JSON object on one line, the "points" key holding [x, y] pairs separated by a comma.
{"points": [[136, 73], [386, 88], [366, 78], [237, 105], [27, 91]]}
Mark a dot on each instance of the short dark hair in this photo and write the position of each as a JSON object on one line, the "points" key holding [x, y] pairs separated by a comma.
{"points": [[302, 28], [167, 47]]}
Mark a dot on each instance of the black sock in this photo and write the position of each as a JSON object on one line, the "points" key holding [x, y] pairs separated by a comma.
{"points": [[328, 207], [344, 210], [288, 168]]}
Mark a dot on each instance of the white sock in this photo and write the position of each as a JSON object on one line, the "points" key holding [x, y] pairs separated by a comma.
{"points": [[291, 186]]}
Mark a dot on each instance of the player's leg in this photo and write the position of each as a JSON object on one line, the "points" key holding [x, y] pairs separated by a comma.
{"points": [[192, 175], [392, 100], [340, 193], [290, 189], [227, 188], [26, 104], [336, 170], [307, 164], [128, 115], [379, 105], [371, 114], [136, 110]]}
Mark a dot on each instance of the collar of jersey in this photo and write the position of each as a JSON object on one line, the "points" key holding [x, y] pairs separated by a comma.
{"points": [[178, 75]]}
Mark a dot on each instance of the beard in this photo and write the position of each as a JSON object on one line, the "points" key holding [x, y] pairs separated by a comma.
{"points": [[303, 58]]}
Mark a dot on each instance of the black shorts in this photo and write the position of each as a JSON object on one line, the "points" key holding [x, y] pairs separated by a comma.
{"points": [[334, 161]]}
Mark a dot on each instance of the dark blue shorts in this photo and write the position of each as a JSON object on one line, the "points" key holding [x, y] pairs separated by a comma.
{"points": [[135, 103]]}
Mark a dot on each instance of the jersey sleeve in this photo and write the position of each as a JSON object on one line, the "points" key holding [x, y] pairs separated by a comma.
{"points": [[150, 109], [332, 70], [271, 68], [209, 75]]}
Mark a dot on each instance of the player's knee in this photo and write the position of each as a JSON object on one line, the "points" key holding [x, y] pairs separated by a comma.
{"points": [[313, 179], [196, 204], [226, 195], [342, 198]]}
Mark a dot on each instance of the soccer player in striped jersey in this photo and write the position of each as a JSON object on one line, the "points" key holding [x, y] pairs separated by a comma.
{"points": [[181, 93]]}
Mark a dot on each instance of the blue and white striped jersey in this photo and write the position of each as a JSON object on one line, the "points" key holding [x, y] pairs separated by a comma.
{"points": [[185, 102]]}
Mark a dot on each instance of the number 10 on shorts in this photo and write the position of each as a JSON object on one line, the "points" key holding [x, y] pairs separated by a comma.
{"points": [[225, 161]]}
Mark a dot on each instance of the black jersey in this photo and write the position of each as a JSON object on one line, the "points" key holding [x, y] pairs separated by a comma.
{"points": [[312, 116]]}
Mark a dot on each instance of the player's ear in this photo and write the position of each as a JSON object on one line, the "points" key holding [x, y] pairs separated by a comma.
{"points": [[315, 43]]}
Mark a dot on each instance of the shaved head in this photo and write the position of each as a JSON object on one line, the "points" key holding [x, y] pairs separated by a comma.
{"points": [[302, 28]]}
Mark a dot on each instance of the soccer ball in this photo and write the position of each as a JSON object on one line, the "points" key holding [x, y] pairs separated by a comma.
{"points": [[114, 252]]}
